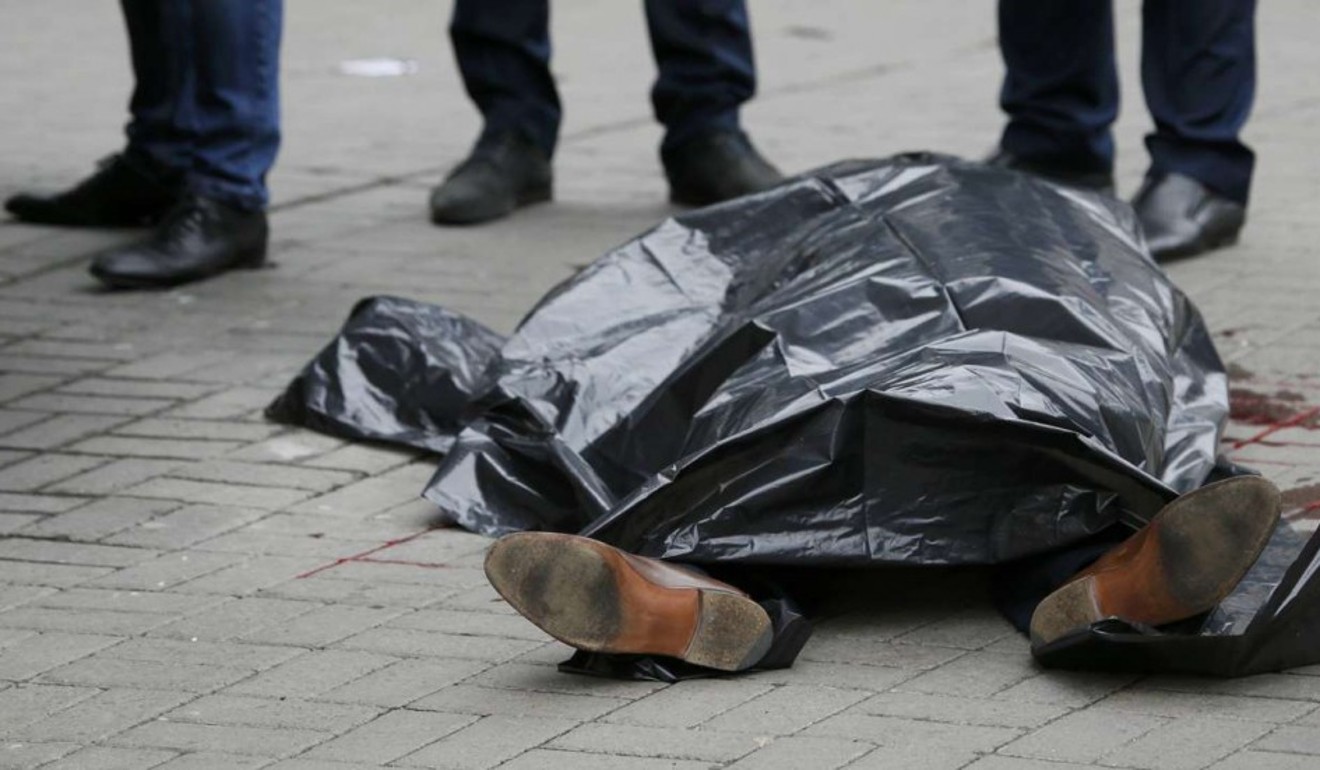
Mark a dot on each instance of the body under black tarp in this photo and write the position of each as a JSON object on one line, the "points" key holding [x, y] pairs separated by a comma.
{"points": [[914, 361]]}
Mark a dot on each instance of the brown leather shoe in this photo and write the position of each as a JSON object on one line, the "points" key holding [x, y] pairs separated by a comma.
{"points": [[1184, 562], [598, 598]]}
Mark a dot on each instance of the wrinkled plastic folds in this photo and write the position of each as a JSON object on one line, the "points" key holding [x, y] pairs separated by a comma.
{"points": [[913, 361]]}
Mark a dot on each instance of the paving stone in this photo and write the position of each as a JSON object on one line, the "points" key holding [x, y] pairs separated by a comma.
{"points": [[267, 498], [401, 683], [1290, 739], [311, 674], [361, 458], [109, 386], [68, 349], [167, 570], [211, 760], [124, 601], [1265, 760], [45, 365], [801, 751], [83, 621], [88, 554], [185, 526], [234, 619], [183, 736], [99, 518], [170, 365], [13, 522], [689, 703], [267, 475], [114, 476], [26, 704], [1018, 763], [1083, 737], [208, 430], [485, 701], [60, 430], [914, 734], [38, 504], [391, 736], [322, 626], [248, 657], [279, 712], [252, 576], [670, 742], [842, 675], [542, 678], [486, 743], [545, 759], [58, 575], [405, 642], [13, 386], [54, 402], [291, 447], [161, 448], [226, 404], [108, 671], [963, 711], [976, 674], [42, 652], [108, 758], [103, 715], [14, 419], [36, 472], [12, 596], [21, 756], [1262, 685], [1182, 704], [1065, 688], [785, 710], [324, 587]]}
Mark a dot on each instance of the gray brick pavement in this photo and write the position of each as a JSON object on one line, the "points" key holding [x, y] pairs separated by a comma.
{"points": [[172, 594]]}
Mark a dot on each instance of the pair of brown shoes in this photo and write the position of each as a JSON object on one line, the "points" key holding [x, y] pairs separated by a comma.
{"points": [[598, 598]]}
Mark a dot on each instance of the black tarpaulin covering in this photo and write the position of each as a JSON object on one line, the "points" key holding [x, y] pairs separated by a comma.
{"points": [[915, 361]]}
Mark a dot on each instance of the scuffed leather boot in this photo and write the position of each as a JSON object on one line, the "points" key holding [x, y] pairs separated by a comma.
{"points": [[1184, 562], [595, 597]]}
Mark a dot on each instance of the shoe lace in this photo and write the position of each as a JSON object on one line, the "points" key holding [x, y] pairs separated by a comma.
{"points": [[184, 222]]}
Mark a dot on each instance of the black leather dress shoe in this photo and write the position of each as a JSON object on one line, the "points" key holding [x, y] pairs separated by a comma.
{"points": [[1182, 217], [502, 173], [124, 192], [715, 167], [199, 238], [1099, 181]]}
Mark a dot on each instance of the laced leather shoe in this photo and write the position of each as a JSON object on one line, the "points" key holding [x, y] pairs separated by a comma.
{"points": [[598, 598], [1184, 562], [199, 238], [1182, 217], [123, 192], [503, 173], [715, 167]]}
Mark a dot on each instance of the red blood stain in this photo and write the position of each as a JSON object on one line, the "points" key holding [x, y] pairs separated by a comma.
{"points": [[1256, 408]]}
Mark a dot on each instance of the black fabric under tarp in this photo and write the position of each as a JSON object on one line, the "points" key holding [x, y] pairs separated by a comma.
{"points": [[912, 361]]}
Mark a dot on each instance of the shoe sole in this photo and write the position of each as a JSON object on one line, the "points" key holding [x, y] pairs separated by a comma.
{"points": [[1204, 543], [587, 595], [254, 260], [524, 199]]}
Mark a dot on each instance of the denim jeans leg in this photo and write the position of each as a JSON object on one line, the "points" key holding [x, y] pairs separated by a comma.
{"points": [[703, 51], [162, 126], [236, 57]]}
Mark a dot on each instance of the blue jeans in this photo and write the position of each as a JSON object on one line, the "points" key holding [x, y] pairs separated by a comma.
{"points": [[702, 48], [206, 103], [1198, 70]]}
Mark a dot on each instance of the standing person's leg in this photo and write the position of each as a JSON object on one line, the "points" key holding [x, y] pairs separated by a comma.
{"points": [[503, 52], [1198, 69], [1060, 89], [703, 51], [220, 222], [139, 185]]}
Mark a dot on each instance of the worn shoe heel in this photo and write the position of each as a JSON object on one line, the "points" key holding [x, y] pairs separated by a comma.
{"points": [[1191, 555], [595, 597]]}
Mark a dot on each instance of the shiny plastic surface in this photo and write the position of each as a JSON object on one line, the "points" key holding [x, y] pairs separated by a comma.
{"points": [[909, 361]]}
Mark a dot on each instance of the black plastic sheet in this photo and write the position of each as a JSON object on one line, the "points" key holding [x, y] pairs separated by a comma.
{"points": [[914, 361]]}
